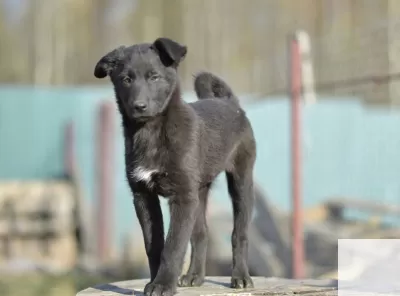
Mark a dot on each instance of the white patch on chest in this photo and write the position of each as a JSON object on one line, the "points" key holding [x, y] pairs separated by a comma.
{"points": [[143, 174]]}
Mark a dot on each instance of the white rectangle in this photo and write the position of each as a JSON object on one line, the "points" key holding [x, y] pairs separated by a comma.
{"points": [[368, 267]]}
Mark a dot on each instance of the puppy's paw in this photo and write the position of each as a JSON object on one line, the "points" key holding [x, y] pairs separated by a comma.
{"points": [[191, 280], [241, 282], [154, 289]]}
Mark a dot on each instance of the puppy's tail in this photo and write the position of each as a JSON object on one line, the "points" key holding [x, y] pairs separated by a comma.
{"points": [[208, 86]]}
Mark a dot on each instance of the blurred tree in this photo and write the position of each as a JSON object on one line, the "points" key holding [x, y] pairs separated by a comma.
{"points": [[84, 37], [59, 42], [8, 72]]}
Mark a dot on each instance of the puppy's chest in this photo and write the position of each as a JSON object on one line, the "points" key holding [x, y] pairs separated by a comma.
{"points": [[149, 170], [147, 163], [146, 175], [154, 179]]}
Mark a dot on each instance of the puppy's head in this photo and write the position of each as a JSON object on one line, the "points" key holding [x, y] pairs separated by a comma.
{"points": [[144, 75]]}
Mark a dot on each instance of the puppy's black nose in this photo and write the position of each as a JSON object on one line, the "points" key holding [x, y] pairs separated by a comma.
{"points": [[140, 106]]}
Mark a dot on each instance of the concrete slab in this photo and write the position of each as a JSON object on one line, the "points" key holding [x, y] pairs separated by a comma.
{"points": [[220, 286]]}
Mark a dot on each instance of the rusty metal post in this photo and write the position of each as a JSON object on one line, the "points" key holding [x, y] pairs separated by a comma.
{"points": [[296, 154], [105, 178], [69, 150]]}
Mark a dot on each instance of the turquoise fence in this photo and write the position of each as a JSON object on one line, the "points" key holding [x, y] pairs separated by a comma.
{"points": [[348, 149]]}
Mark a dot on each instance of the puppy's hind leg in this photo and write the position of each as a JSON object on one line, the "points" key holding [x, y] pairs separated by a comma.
{"points": [[199, 240], [240, 186]]}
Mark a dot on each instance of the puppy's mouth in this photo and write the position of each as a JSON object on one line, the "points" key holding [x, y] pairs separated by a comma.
{"points": [[141, 117], [138, 116]]}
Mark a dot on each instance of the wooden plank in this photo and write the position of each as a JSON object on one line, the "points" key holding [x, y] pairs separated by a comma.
{"points": [[34, 227], [337, 205], [329, 275], [58, 254], [315, 214], [63, 252]]}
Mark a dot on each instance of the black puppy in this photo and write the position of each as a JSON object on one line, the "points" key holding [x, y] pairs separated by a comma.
{"points": [[176, 150]]}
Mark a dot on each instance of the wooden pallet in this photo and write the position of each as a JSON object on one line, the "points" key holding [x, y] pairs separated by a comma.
{"points": [[37, 223]]}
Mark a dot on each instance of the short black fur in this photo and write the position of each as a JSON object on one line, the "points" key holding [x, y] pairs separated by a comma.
{"points": [[176, 150]]}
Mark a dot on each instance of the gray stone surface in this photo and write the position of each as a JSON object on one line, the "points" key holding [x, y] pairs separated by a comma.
{"points": [[220, 286]]}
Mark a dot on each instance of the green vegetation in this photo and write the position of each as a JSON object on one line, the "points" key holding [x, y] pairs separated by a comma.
{"points": [[47, 285]]}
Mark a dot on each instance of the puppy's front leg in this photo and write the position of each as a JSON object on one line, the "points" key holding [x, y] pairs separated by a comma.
{"points": [[183, 214], [148, 211]]}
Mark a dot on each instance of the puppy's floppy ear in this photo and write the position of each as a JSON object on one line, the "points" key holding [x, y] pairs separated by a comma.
{"points": [[109, 62], [170, 52]]}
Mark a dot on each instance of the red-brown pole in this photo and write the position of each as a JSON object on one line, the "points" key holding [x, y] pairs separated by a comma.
{"points": [[69, 150], [295, 102], [105, 178]]}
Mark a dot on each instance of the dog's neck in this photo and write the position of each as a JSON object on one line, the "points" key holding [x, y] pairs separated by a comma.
{"points": [[174, 103], [146, 143]]}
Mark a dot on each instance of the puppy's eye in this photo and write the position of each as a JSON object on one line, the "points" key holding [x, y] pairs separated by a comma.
{"points": [[154, 77], [127, 80]]}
